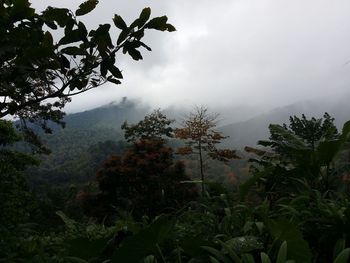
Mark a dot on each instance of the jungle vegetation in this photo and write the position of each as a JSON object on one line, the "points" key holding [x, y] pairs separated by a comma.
{"points": [[147, 201]]}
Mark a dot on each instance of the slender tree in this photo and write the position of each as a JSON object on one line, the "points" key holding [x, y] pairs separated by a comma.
{"points": [[201, 138]]}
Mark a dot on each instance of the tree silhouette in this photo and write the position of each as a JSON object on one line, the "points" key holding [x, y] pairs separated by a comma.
{"points": [[39, 74]]}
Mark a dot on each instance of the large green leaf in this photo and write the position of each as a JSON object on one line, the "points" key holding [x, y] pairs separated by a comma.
{"points": [[339, 247], [119, 22], [282, 253], [122, 36], [115, 72], [244, 244], [343, 256], [248, 258], [144, 16], [69, 223], [73, 51], [158, 23], [102, 38], [218, 254], [145, 242], [71, 37], [113, 80], [64, 62], [86, 7], [135, 54], [265, 258], [83, 31], [104, 68], [59, 15], [48, 40], [214, 260], [298, 248], [230, 252], [170, 28]]}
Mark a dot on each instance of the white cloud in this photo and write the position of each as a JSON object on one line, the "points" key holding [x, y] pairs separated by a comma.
{"points": [[232, 52]]}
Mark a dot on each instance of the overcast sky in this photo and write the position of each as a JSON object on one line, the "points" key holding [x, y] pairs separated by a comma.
{"points": [[258, 53]]}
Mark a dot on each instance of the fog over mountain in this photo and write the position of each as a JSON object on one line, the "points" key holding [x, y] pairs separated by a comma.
{"points": [[244, 126], [93, 135], [258, 54], [250, 131]]}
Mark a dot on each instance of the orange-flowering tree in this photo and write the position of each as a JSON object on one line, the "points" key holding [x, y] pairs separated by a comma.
{"points": [[201, 138]]}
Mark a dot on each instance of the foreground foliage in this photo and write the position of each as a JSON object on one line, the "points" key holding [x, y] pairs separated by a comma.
{"points": [[294, 208]]}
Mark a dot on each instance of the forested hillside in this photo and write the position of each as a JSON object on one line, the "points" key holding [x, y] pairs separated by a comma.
{"points": [[88, 139], [74, 150]]}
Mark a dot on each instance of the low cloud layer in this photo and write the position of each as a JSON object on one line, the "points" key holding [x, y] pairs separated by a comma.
{"points": [[260, 53]]}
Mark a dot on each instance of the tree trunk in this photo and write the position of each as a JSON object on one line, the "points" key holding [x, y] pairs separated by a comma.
{"points": [[201, 166]]}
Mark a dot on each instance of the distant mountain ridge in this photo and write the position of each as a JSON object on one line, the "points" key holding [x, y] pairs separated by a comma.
{"points": [[242, 133], [250, 131], [93, 135], [87, 140], [111, 115]]}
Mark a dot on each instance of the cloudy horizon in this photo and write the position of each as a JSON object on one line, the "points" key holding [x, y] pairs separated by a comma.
{"points": [[253, 53]]}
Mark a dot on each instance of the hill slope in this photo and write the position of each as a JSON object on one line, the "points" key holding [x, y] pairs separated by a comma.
{"points": [[249, 132], [88, 139], [91, 136]]}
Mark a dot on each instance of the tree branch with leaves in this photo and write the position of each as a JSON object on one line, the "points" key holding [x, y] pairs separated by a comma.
{"points": [[40, 74]]}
